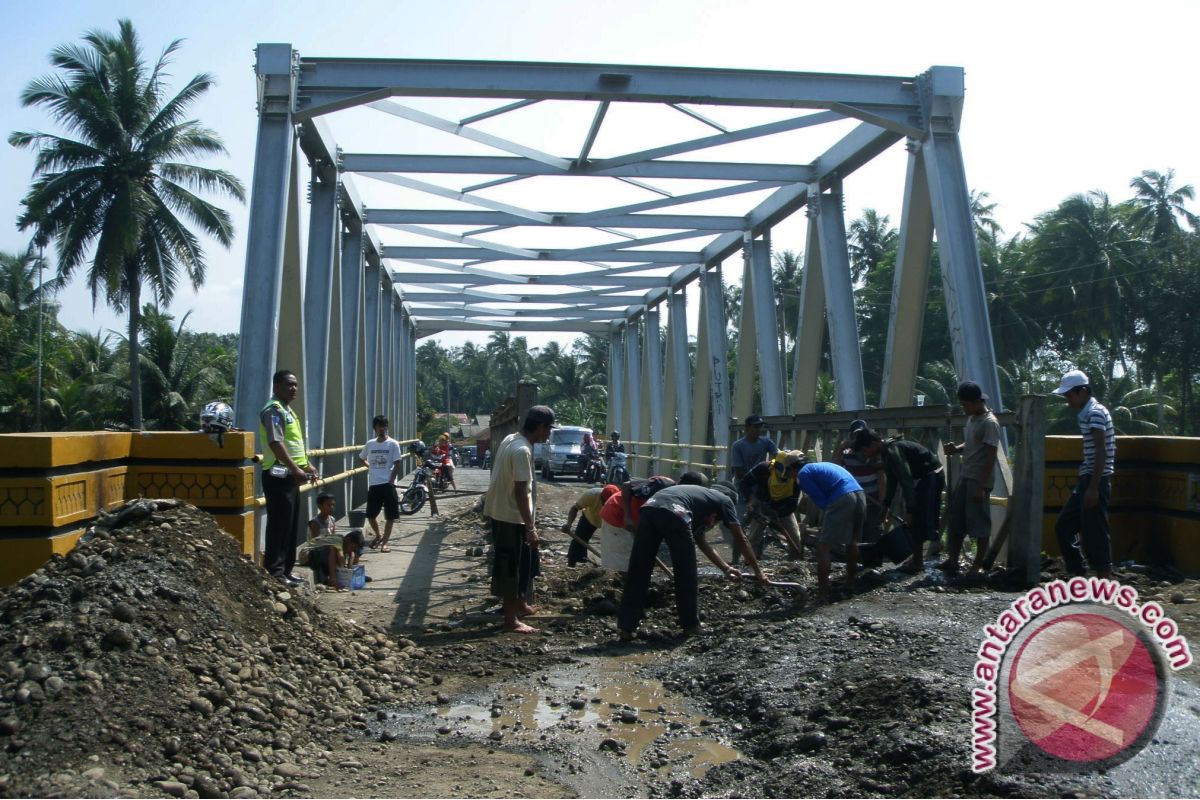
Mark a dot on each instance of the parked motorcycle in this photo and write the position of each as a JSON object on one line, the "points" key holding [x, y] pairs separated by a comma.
{"points": [[617, 472], [417, 493]]}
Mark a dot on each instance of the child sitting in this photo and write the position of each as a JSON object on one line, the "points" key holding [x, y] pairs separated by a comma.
{"points": [[324, 550]]}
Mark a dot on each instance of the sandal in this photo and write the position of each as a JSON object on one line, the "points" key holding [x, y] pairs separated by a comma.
{"points": [[373, 543], [385, 549]]}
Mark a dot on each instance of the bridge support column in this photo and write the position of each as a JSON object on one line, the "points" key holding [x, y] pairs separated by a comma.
{"points": [[810, 327], [839, 300], [770, 368], [713, 321], [633, 392], [747, 343], [267, 233], [349, 425], [616, 380], [679, 380], [907, 317], [652, 381], [319, 291], [372, 297], [958, 257], [386, 373]]}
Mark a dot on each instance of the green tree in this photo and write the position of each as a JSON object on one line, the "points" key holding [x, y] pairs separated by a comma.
{"points": [[870, 238], [1085, 257], [178, 375], [1159, 204], [116, 191]]}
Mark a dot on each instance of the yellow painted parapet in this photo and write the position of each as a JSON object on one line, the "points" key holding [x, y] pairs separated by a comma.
{"points": [[52, 482], [59, 500], [1154, 508], [160, 445], [62, 449], [241, 528], [23, 555], [208, 487]]}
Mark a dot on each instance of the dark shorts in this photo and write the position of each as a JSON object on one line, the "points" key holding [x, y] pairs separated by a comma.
{"points": [[383, 496], [516, 564]]}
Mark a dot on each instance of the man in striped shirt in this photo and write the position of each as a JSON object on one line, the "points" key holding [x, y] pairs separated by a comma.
{"points": [[1083, 522]]}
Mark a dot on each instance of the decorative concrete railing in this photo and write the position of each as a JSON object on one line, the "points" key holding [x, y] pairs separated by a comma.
{"points": [[52, 485]]}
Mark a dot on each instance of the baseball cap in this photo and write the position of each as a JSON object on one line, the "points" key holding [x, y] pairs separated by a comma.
{"points": [[539, 415], [754, 419], [1072, 380], [858, 425], [971, 391]]}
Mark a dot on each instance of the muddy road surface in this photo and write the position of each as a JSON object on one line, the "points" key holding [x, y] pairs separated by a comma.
{"points": [[174, 668]]}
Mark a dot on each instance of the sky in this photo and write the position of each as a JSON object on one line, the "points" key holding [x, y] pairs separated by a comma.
{"points": [[1061, 97]]}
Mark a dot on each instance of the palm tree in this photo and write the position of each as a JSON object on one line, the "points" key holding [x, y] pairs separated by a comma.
{"points": [[1158, 203], [116, 191], [869, 240], [1083, 254], [984, 215], [19, 281], [788, 277], [178, 374]]}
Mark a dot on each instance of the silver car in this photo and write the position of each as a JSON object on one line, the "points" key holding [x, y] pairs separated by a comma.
{"points": [[561, 453]]}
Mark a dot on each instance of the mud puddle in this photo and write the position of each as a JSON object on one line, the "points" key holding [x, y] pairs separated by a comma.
{"points": [[600, 726]]}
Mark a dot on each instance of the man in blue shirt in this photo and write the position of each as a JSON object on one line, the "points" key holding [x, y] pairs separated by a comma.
{"points": [[1083, 522], [844, 507]]}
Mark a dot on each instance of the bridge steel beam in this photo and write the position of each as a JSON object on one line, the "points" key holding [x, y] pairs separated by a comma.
{"points": [[701, 397], [962, 272], [810, 327], [633, 388], [743, 388], [372, 321], [318, 301], [652, 382], [616, 379], [762, 287], [906, 320], [718, 372], [387, 376], [679, 372], [267, 232], [839, 300]]}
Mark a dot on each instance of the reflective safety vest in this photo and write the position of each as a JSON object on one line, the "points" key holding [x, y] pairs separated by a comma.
{"points": [[293, 436]]}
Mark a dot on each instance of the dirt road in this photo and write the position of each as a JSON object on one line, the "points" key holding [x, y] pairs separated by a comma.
{"points": [[154, 660]]}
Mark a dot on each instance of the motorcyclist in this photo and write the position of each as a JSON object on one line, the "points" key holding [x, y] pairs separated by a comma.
{"points": [[441, 454], [614, 445], [588, 452]]}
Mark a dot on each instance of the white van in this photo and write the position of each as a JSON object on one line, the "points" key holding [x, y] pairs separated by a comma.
{"points": [[561, 453]]}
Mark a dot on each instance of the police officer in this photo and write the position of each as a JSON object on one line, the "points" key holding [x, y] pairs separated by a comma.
{"points": [[285, 469]]}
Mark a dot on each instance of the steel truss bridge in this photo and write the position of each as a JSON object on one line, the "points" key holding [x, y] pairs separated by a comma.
{"points": [[345, 311]]}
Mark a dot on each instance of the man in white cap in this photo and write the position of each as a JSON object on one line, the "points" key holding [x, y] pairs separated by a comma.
{"points": [[1082, 524]]}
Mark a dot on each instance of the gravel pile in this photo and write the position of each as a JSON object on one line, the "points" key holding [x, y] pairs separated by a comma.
{"points": [[154, 660]]}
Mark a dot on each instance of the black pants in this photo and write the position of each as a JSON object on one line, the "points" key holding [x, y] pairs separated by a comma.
{"points": [[283, 520], [658, 525], [577, 553], [1085, 528], [923, 520]]}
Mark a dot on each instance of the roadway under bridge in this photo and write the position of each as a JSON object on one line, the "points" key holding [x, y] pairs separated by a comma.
{"points": [[462, 227]]}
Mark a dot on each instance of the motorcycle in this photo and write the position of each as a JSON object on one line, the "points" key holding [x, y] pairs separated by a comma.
{"points": [[417, 493], [439, 472], [617, 472], [592, 468]]}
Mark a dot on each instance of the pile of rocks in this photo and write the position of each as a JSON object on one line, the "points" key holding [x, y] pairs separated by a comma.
{"points": [[155, 660]]}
